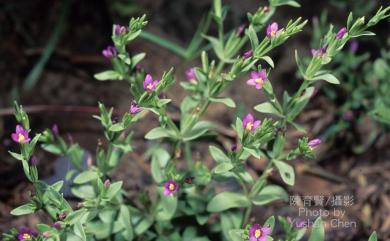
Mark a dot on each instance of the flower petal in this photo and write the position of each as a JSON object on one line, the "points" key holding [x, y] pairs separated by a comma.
{"points": [[254, 75], [251, 82], [256, 124], [259, 86], [265, 231]]}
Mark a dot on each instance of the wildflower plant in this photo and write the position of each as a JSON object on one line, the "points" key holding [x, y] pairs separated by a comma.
{"points": [[186, 200], [362, 94]]}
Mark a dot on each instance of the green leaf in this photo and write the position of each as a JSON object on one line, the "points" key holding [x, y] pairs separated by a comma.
{"points": [[268, 108], [136, 59], [223, 167], [218, 155], [300, 103], [270, 193], [160, 158], [108, 75], [251, 32], [330, 78], [125, 220], [24, 209], [299, 63], [159, 132], [317, 232], [166, 207], [54, 149], [117, 127], [224, 100], [268, 60], [270, 222], [114, 189], [79, 231], [76, 216], [143, 225], [85, 176], [227, 200], [17, 156], [199, 129], [373, 237], [286, 172], [237, 234]]}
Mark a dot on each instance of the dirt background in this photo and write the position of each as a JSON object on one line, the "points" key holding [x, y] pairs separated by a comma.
{"points": [[67, 80]]}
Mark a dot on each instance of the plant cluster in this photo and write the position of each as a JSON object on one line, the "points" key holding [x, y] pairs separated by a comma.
{"points": [[187, 204], [363, 92]]}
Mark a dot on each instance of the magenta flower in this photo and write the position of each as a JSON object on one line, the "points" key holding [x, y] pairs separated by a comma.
{"points": [[272, 30], [170, 187], [26, 234], [241, 29], [191, 74], [348, 115], [33, 161], [134, 108], [20, 135], [109, 52], [55, 130], [57, 225], [249, 123], [319, 52], [340, 34], [258, 233], [149, 83], [119, 30], [315, 142], [257, 78], [353, 47], [248, 54], [107, 183]]}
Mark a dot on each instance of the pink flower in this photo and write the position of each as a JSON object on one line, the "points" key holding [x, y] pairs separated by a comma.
{"points": [[315, 142], [241, 29], [340, 34], [26, 234], [149, 83], [258, 233], [20, 135], [353, 47], [191, 75], [249, 123], [107, 183], [57, 225], [134, 108], [170, 187], [272, 30], [348, 115], [55, 130], [248, 54], [109, 52], [257, 78], [119, 30], [33, 161], [319, 52]]}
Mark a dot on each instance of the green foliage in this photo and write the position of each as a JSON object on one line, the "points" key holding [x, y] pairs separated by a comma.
{"points": [[187, 203]]}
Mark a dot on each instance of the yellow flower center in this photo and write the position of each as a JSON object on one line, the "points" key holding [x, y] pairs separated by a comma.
{"points": [[149, 86], [259, 81], [249, 126], [21, 138], [257, 233], [26, 236], [273, 33], [171, 187]]}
